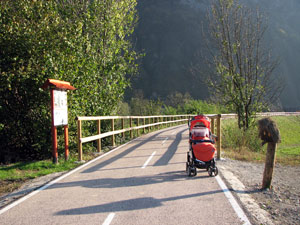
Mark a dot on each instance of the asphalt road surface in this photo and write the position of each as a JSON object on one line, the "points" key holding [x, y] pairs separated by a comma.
{"points": [[142, 182]]}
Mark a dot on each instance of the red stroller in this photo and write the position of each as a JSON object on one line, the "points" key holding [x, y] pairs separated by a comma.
{"points": [[202, 150]]}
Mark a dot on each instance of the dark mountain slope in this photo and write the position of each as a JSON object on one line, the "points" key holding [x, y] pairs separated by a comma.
{"points": [[169, 32]]}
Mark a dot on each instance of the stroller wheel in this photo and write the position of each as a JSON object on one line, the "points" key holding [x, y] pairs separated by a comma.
{"points": [[194, 171], [213, 171], [188, 170], [216, 171]]}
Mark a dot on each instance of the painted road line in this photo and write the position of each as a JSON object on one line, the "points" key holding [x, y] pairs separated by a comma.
{"points": [[238, 210], [59, 178], [109, 218], [148, 160], [165, 140]]}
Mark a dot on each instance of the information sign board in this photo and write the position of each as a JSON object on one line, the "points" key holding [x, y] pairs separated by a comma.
{"points": [[60, 108]]}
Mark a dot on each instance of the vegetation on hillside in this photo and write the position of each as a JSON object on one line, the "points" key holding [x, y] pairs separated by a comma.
{"points": [[170, 33], [175, 103]]}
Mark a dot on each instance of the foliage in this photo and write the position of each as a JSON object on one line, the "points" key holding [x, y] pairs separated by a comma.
{"points": [[169, 110], [86, 43], [240, 140], [145, 107], [201, 107], [123, 109], [176, 99], [246, 145], [243, 68], [175, 104]]}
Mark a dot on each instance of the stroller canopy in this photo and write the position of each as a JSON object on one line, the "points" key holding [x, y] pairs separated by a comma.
{"points": [[200, 121]]}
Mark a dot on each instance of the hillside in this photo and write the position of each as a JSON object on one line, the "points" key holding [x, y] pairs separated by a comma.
{"points": [[169, 33]]}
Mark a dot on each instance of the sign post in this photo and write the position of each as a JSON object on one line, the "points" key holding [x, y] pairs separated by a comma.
{"points": [[59, 113]]}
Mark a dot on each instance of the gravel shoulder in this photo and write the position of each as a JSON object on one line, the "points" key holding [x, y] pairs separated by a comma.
{"points": [[280, 205]]}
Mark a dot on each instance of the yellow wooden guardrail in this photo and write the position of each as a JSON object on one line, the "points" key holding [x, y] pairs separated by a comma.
{"points": [[154, 121], [147, 122]]}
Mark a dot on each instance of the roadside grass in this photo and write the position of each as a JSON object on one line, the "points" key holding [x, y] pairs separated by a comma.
{"points": [[247, 146], [14, 175]]}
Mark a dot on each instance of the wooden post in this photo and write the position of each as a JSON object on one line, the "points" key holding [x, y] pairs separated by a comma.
{"points": [[53, 130], [138, 124], [160, 120], [269, 165], [66, 132], [130, 123], [79, 140], [54, 145], [113, 136], [144, 122], [123, 125], [219, 137], [99, 147], [269, 133], [212, 125]]}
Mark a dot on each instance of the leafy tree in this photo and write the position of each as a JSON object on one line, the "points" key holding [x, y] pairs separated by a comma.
{"points": [[84, 42], [243, 68], [201, 107], [144, 107], [176, 99]]}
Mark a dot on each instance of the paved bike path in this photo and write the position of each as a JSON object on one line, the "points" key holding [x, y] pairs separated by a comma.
{"points": [[143, 182]]}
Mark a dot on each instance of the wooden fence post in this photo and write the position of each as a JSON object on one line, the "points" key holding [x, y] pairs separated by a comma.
{"points": [[130, 124], [212, 125], [160, 120], [123, 125], [113, 136], [219, 137], [79, 135], [99, 132], [138, 124], [149, 122], [144, 122]]}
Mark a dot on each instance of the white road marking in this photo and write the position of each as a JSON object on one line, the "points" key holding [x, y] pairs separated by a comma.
{"points": [[238, 210], [148, 160], [3, 210], [58, 179], [165, 140], [109, 218]]}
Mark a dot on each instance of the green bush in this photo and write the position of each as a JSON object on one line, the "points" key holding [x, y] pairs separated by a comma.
{"points": [[238, 139], [84, 42], [202, 107]]}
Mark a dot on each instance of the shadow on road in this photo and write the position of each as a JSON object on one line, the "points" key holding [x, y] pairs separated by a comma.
{"points": [[164, 160], [120, 155], [131, 204], [129, 181]]}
